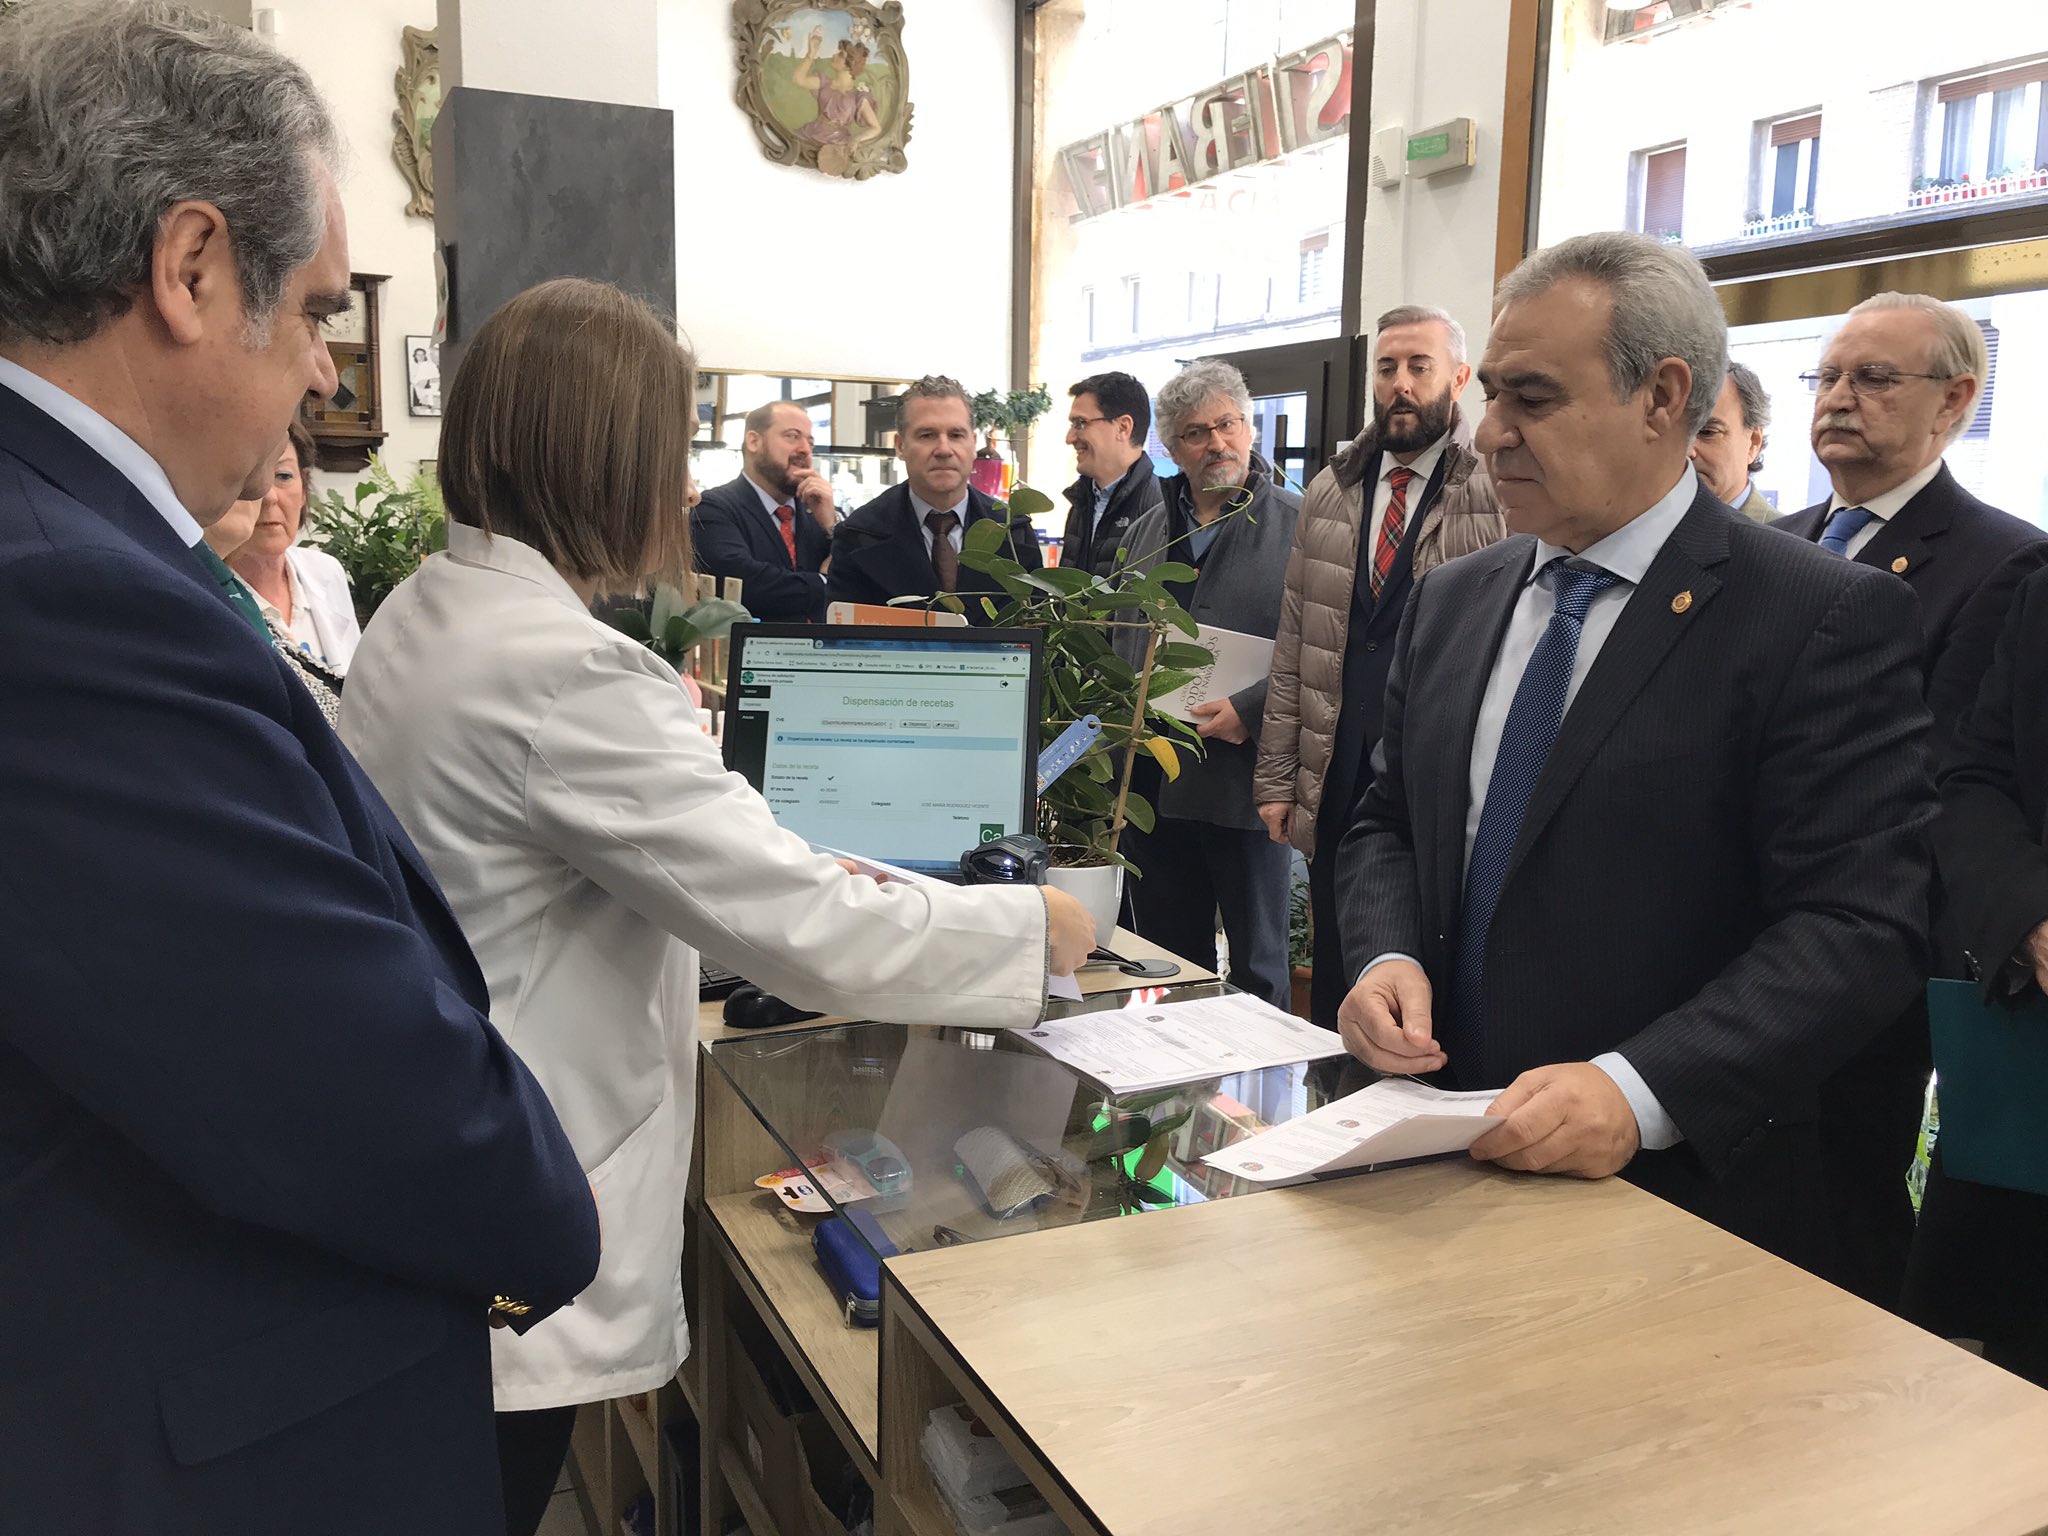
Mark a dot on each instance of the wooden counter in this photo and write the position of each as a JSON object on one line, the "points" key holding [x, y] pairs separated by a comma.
{"points": [[1453, 1350]]}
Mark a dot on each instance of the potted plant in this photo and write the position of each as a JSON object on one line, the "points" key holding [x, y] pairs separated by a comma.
{"points": [[673, 626], [380, 531], [1082, 814]]}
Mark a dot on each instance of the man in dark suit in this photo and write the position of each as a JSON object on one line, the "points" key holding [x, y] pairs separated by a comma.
{"points": [[1651, 849], [772, 527], [1106, 427], [1405, 495], [1897, 384], [265, 1167], [1979, 1250], [906, 542]]}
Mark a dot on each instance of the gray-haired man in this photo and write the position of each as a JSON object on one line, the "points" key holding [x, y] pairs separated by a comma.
{"points": [[266, 1167], [1208, 852], [1646, 844], [1729, 448]]}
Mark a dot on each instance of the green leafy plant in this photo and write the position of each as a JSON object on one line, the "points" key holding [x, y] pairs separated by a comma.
{"points": [[380, 531], [1010, 413], [1082, 814], [674, 627], [1301, 940]]}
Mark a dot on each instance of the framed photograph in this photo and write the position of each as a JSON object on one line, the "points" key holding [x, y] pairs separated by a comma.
{"points": [[825, 83], [422, 376]]}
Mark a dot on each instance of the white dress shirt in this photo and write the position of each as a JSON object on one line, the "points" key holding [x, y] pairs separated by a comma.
{"points": [[1627, 553], [1383, 488], [1882, 508], [589, 840], [769, 504], [106, 440], [924, 509]]}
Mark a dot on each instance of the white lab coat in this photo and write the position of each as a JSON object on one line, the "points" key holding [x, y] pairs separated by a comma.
{"points": [[325, 584], [590, 840]]}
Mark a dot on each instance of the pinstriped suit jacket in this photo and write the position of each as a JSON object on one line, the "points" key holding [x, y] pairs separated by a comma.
{"points": [[1724, 869]]}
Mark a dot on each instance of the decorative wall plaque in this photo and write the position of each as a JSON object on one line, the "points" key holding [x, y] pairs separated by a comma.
{"points": [[825, 83], [419, 102]]}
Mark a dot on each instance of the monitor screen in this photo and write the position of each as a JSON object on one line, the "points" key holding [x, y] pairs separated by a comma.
{"points": [[905, 745]]}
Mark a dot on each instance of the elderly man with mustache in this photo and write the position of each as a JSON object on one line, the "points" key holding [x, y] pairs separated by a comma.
{"points": [[1224, 515], [1898, 383]]}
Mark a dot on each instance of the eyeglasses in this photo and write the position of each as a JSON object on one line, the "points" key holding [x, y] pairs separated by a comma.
{"points": [[1864, 379], [1196, 433], [1081, 423]]}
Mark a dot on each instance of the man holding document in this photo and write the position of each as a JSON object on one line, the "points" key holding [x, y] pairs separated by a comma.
{"points": [[1224, 516], [1651, 849]]}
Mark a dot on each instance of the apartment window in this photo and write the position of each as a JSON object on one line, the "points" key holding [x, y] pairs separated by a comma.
{"points": [[1792, 167], [1133, 303], [1088, 313], [1980, 418], [1660, 193], [1315, 255], [1989, 129], [1625, 21]]}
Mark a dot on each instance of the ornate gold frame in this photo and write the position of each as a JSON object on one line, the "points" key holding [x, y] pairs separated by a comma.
{"points": [[756, 25], [412, 144]]}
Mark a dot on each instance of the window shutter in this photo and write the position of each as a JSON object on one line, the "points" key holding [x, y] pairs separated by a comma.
{"points": [[1793, 130], [1980, 423], [1664, 191], [2016, 78]]}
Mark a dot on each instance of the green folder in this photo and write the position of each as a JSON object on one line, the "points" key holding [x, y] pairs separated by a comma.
{"points": [[1991, 1070]]}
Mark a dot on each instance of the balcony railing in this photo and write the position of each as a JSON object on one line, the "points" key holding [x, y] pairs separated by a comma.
{"points": [[1777, 224], [1932, 193]]}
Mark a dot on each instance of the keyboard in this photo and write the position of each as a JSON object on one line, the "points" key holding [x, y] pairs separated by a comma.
{"points": [[714, 980]]}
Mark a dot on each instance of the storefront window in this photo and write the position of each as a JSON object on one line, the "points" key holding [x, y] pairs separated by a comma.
{"points": [[1703, 121], [1214, 223]]}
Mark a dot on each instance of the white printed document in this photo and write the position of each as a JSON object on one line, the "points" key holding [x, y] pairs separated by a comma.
{"points": [[1130, 1050], [1241, 660], [1389, 1122]]}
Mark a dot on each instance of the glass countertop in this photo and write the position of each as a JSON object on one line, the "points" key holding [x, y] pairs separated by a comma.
{"points": [[930, 1136]]}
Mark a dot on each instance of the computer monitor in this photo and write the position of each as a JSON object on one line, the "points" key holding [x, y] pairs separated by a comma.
{"points": [[905, 745]]}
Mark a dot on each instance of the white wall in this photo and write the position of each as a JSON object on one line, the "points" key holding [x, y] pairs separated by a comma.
{"points": [[783, 270], [1431, 240], [599, 51], [353, 53]]}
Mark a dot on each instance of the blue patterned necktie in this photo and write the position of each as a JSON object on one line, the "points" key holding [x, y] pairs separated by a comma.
{"points": [[1525, 742], [1846, 523]]}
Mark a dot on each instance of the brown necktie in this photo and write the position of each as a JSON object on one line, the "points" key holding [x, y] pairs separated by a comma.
{"points": [[945, 558]]}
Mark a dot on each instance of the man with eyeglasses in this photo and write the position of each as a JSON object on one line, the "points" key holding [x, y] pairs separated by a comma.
{"points": [[1407, 495], [1898, 383], [1106, 427], [1208, 852]]}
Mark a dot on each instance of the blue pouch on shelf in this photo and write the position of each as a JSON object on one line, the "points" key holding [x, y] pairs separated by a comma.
{"points": [[850, 1250]]}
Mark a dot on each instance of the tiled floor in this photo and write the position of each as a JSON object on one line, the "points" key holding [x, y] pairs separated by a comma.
{"points": [[565, 1510]]}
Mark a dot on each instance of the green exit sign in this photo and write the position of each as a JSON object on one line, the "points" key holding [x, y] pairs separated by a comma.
{"points": [[1429, 146]]}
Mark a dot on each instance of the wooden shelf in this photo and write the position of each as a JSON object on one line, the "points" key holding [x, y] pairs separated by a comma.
{"points": [[741, 1481], [641, 1434], [840, 1366]]}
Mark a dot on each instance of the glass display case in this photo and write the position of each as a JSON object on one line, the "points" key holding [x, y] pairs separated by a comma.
{"points": [[941, 1136], [853, 423]]}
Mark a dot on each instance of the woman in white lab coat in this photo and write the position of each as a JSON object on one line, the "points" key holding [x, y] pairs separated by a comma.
{"points": [[553, 773]]}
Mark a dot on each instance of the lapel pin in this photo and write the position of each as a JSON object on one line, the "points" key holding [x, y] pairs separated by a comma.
{"points": [[1899, 566], [1681, 602]]}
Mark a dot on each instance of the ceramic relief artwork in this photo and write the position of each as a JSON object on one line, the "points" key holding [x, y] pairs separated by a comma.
{"points": [[825, 83], [418, 84]]}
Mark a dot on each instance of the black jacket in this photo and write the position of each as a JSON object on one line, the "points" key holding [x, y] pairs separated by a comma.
{"points": [[1094, 549], [1723, 871], [878, 553], [1963, 560], [731, 535]]}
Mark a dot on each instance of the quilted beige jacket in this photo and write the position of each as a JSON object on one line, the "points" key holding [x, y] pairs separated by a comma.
{"points": [[1300, 727]]}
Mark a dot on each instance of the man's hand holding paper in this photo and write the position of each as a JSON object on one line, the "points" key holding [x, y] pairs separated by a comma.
{"points": [[1569, 1118], [1385, 1021]]}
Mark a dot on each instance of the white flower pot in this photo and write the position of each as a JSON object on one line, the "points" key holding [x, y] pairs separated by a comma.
{"points": [[1099, 888]]}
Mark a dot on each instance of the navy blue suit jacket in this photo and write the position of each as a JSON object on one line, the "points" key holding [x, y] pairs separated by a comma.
{"points": [[732, 535], [1964, 560], [878, 554], [263, 1160]]}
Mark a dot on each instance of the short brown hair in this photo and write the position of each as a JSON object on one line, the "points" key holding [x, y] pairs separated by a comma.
{"points": [[933, 386], [302, 444], [568, 428]]}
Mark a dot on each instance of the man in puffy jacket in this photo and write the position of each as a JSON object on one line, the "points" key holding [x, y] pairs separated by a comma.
{"points": [[1404, 496]]}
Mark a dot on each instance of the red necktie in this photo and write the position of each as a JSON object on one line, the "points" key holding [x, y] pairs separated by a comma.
{"points": [[1391, 528], [787, 517]]}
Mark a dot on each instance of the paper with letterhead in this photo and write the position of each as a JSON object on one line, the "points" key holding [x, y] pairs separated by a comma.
{"points": [[1130, 1050], [1066, 988], [1390, 1122], [1241, 660]]}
